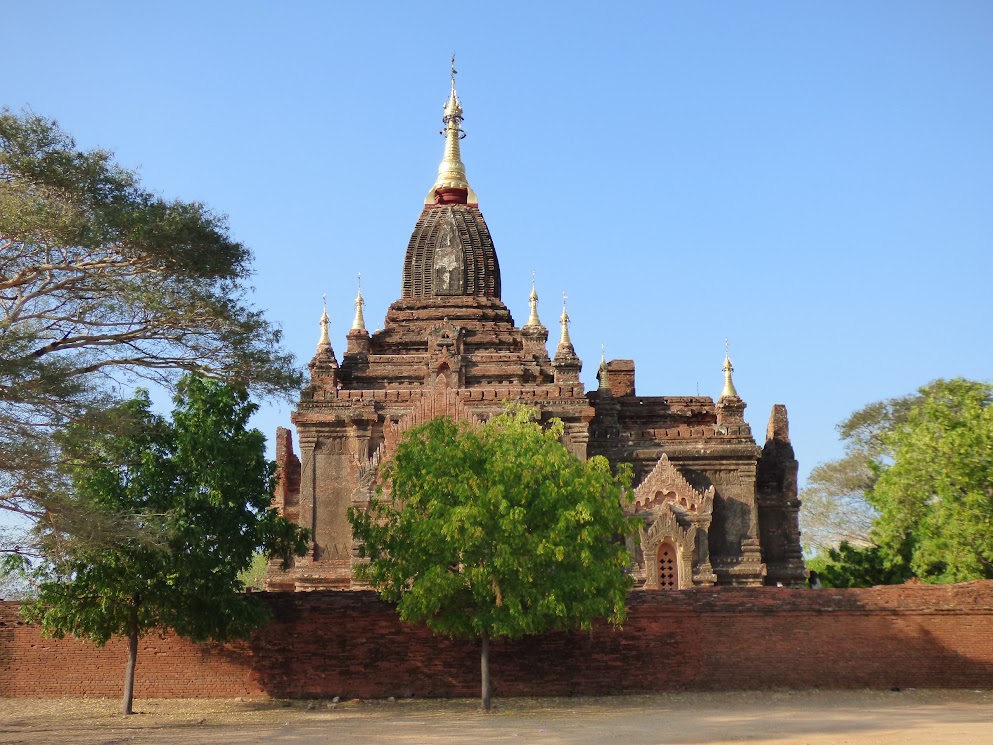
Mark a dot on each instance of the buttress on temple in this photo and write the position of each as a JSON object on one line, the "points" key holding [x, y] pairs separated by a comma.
{"points": [[716, 508]]}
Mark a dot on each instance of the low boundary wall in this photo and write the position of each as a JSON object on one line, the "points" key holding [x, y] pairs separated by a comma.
{"points": [[350, 644]]}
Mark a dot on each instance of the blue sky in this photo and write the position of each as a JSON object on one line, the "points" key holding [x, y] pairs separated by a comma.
{"points": [[812, 180]]}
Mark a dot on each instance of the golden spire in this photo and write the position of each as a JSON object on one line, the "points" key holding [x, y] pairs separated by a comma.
{"points": [[359, 323], [325, 340], [533, 319], [728, 368], [451, 171], [564, 320], [602, 372]]}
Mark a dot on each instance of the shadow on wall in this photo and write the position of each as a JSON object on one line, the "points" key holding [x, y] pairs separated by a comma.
{"points": [[350, 644]]}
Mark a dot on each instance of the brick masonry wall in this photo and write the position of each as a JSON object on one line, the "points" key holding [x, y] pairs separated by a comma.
{"points": [[350, 644]]}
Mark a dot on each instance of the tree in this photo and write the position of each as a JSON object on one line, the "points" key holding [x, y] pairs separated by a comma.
{"points": [[103, 282], [202, 486], [497, 532], [935, 501], [835, 504], [920, 469], [858, 566], [15, 574], [254, 577]]}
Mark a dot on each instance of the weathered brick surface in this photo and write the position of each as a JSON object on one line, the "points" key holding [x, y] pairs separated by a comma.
{"points": [[351, 644]]}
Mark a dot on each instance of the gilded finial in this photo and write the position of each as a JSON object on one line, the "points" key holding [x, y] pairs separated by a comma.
{"points": [[451, 182], [325, 340], [533, 319], [358, 324], [564, 320], [602, 375], [729, 389]]}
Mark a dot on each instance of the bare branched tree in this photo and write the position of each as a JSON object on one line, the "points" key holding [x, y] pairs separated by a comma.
{"points": [[835, 507], [104, 284]]}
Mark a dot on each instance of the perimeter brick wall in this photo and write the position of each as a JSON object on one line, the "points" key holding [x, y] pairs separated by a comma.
{"points": [[349, 644]]}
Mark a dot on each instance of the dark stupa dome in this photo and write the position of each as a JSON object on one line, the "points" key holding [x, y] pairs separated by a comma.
{"points": [[451, 253]]}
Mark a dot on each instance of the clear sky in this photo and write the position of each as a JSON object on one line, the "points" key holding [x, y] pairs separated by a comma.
{"points": [[812, 180]]}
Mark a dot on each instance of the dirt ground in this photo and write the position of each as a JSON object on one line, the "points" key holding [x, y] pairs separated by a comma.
{"points": [[910, 717]]}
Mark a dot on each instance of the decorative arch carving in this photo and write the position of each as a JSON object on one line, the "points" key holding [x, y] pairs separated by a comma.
{"points": [[445, 355], [442, 376], [673, 511], [666, 529], [439, 400], [666, 484]]}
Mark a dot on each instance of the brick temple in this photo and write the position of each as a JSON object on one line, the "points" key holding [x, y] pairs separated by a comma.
{"points": [[716, 508]]}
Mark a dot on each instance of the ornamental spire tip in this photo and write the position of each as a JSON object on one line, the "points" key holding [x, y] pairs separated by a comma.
{"points": [[533, 319], [451, 187], [325, 340], [728, 368], [564, 320], [358, 323]]}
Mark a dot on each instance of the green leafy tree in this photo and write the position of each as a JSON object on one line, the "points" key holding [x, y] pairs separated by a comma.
{"points": [[858, 566], [935, 501], [102, 283], [497, 532], [201, 485], [254, 577], [919, 470]]}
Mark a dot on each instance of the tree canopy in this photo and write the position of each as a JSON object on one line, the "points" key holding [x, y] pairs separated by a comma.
{"points": [[935, 501], [497, 531], [864, 565], [929, 459], [201, 486], [103, 283]]}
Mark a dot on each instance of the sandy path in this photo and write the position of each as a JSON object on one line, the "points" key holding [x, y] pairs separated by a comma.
{"points": [[812, 717]]}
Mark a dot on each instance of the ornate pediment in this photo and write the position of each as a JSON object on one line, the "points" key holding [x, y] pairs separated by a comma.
{"points": [[665, 485], [436, 402], [666, 526]]}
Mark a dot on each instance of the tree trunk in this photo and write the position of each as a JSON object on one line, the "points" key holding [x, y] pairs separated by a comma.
{"points": [[132, 659], [484, 666]]}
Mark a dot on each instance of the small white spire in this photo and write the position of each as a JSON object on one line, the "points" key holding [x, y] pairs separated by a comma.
{"points": [[729, 389], [533, 319], [325, 340], [359, 323], [564, 320]]}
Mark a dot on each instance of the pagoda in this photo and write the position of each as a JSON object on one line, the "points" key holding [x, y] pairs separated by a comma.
{"points": [[715, 508]]}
